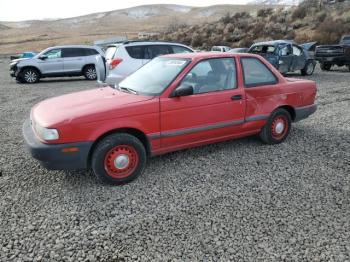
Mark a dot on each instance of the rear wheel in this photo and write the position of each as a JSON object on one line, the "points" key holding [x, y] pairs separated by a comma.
{"points": [[309, 68], [90, 72], [277, 128], [30, 76], [118, 159], [326, 67]]}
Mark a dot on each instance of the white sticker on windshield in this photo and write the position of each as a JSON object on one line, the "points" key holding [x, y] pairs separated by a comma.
{"points": [[175, 62]]}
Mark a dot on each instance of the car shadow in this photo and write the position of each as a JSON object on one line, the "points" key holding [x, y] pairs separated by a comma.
{"points": [[175, 161]]}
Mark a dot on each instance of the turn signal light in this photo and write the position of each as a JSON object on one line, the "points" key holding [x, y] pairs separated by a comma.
{"points": [[70, 149], [114, 63]]}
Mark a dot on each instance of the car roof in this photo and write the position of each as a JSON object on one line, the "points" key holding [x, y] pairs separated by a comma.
{"points": [[75, 46], [143, 42], [208, 55], [274, 42]]}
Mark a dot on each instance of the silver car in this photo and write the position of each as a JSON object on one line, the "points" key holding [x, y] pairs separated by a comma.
{"points": [[125, 58], [74, 60]]}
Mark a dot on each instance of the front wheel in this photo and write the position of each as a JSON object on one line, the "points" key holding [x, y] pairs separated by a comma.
{"points": [[90, 72], [277, 128], [118, 159], [309, 68], [30, 76]]}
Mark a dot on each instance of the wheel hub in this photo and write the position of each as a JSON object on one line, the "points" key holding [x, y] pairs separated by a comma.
{"points": [[279, 128], [121, 161]]}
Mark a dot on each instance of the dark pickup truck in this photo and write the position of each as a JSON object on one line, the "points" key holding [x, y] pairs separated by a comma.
{"points": [[329, 55]]}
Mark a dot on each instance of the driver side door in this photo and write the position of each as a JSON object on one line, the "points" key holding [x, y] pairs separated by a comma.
{"points": [[215, 110], [285, 58], [53, 62]]}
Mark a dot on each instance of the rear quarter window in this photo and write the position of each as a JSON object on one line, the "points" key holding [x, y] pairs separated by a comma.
{"points": [[136, 52], [256, 73]]}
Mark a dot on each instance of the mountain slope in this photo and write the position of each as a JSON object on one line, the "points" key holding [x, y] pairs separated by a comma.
{"points": [[275, 2], [36, 35]]}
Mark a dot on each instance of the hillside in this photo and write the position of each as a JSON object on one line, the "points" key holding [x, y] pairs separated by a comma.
{"points": [[310, 21], [275, 2], [36, 35]]}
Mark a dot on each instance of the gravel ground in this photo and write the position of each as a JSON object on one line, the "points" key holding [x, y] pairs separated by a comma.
{"points": [[238, 201]]}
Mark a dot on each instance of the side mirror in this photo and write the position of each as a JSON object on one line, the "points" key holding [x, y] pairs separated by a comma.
{"points": [[43, 57], [182, 90]]}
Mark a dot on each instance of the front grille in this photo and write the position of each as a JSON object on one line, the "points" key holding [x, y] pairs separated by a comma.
{"points": [[331, 50]]}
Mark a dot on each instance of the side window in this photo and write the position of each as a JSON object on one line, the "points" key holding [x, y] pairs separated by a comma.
{"points": [[180, 49], [72, 52], [297, 51], [53, 54], [136, 52], [212, 75], [153, 51], [256, 73], [285, 50], [89, 52]]}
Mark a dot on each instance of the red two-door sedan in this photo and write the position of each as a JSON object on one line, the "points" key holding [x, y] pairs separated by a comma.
{"points": [[173, 102]]}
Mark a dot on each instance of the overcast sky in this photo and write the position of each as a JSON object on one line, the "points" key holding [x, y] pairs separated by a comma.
{"points": [[18, 10]]}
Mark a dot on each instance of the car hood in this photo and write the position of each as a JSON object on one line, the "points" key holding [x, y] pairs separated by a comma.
{"points": [[85, 106], [19, 59]]}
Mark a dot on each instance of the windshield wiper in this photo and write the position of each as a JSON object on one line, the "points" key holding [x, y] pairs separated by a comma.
{"points": [[129, 90]]}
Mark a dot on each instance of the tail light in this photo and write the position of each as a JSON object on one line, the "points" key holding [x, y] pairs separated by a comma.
{"points": [[114, 63]]}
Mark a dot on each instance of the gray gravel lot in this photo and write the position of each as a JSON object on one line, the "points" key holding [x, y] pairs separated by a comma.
{"points": [[233, 201]]}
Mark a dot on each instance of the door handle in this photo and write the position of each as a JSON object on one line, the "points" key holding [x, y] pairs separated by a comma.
{"points": [[236, 97]]}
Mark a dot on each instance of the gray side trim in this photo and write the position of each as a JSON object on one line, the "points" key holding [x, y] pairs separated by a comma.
{"points": [[154, 136], [194, 129], [256, 118], [206, 128]]}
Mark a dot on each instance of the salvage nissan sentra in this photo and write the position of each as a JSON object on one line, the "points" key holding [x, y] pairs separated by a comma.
{"points": [[173, 102]]}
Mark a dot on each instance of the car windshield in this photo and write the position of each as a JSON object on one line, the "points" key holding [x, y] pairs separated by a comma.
{"points": [[154, 77], [346, 40]]}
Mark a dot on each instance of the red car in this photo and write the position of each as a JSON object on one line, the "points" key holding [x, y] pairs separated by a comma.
{"points": [[173, 102]]}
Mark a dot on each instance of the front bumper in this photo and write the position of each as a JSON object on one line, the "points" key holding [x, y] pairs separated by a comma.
{"points": [[53, 156], [304, 112], [343, 60]]}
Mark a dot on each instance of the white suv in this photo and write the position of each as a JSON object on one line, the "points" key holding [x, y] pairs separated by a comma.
{"points": [[125, 58], [74, 60]]}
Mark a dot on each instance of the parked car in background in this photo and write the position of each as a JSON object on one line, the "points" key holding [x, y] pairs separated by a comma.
{"points": [[174, 102], [286, 56], [239, 50], [220, 48], [122, 59], [23, 55], [329, 55], [73, 60]]}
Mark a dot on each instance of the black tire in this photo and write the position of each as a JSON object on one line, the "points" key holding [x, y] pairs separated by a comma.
{"points": [[90, 72], [309, 68], [268, 133], [29, 75], [349, 67], [106, 149], [325, 66]]}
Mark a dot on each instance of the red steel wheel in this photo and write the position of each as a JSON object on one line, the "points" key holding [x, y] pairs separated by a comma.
{"points": [[121, 161], [279, 127]]}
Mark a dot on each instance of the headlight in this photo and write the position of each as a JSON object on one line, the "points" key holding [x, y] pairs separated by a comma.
{"points": [[280, 62], [46, 133]]}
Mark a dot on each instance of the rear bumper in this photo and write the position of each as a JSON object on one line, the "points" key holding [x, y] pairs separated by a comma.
{"points": [[52, 156], [304, 112]]}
